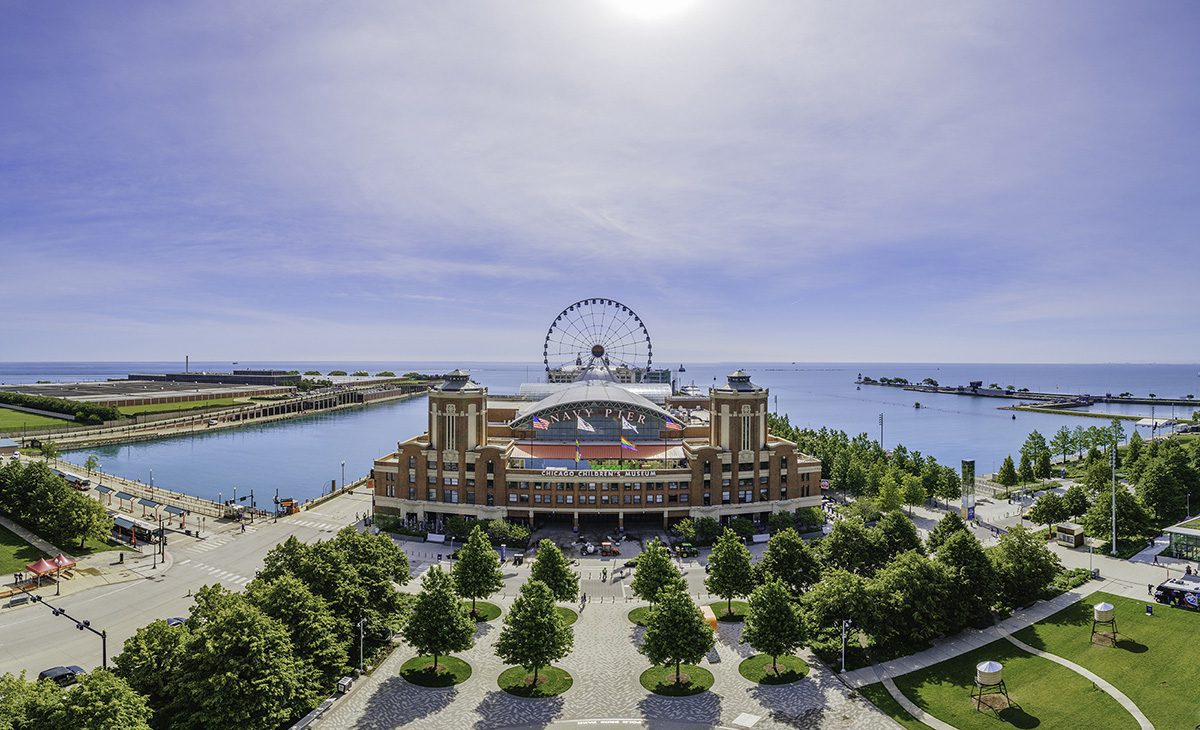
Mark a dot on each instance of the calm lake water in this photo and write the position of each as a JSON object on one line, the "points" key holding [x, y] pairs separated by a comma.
{"points": [[301, 456]]}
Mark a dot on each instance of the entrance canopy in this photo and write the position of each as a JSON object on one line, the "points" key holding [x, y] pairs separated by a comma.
{"points": [[62, 562]]}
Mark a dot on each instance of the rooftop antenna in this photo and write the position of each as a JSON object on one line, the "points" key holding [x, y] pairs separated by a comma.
{"points": [[187, 363]]}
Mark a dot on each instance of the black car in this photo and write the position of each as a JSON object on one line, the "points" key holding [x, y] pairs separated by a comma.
{"points": [[63, 676]]}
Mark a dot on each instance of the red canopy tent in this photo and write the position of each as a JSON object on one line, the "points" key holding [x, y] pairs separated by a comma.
{"points": [[62, 562], [41, 567]]}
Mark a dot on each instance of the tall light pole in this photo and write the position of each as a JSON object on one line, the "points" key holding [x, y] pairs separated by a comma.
{"points": [[845, 622], [881, 430], [1114, 498], [343, 475], [361, 625]]}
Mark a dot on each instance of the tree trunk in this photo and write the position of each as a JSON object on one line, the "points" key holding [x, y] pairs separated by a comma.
{"points": [[535, 673], [774, 668], [729, 607], [435, 657], [677, 677]]}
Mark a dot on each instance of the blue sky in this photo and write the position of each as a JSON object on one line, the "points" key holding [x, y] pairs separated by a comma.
{"points": [[890, 181]]}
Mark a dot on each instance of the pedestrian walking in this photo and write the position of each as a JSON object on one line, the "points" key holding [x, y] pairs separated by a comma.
{"points": [[243, 527], [1149, 589]]}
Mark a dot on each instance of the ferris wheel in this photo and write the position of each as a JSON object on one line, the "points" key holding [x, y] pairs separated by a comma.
{"points": [[594, 332]]}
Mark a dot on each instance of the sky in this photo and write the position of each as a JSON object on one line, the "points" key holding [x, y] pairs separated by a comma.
{"points": [[759, 181]]}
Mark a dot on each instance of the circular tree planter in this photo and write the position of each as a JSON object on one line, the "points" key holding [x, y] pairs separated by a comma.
{"points": [[552, 681], [758, 669], [740, 609], [639, 615], [661, 680], [568, 616], [484, 611], [450, 671]]}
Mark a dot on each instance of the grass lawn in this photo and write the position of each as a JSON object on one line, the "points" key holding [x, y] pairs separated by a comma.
{"points": [[552, 681], [11, 420], [92, 545], [484, 611], [185, 406], [15, 553], [1156, 662], [878, 695], [758, 668], [568, 615], [1044, 694], [661, 680], [740, 609], [639, 615], [450, 671]]}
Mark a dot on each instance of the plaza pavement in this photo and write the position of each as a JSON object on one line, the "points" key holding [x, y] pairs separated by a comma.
{"points": [[605, 665]]}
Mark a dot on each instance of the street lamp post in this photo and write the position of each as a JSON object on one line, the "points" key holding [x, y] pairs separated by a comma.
{"points": [[881, 430], [343, 475], [1114, 499], [845, 623], [361, 627], [79, 624]]}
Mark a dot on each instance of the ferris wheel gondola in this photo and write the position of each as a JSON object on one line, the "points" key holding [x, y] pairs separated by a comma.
{"points": [[597, 332]]}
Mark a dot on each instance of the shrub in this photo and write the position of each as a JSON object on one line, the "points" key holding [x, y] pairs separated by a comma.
{"points": [[83, 412]]}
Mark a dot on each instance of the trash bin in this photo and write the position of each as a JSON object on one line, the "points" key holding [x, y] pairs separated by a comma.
{"points": [[1095, 574], [343, 684]]}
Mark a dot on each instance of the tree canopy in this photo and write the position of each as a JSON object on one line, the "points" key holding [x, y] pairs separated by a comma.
{"points": [[534, 635], [439, 623], [774, 625], [790, 559], [729, 572], [654, 571], [675, 631], [477, 571], [551, 567]]}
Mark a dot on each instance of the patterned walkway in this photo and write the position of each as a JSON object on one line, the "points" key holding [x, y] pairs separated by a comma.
{"points": [[605, 665]]}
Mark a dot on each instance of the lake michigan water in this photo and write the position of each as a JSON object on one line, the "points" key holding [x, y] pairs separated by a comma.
{"points": [[299, 457]]}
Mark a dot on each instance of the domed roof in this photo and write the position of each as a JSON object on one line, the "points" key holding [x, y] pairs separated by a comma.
{"points": [[459, 381], [593, 393]]}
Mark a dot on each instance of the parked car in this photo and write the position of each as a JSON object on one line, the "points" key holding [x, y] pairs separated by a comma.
{"points": [[62, 676], [175, 621]]}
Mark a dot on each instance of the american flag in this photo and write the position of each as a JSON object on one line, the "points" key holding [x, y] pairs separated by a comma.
{"points": [[540, 424], [672, 425]]}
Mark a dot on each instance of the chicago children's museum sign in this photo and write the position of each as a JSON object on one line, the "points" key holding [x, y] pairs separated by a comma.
{"points": [[602, 473]]}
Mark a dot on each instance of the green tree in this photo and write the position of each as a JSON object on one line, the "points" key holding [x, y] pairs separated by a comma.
{"points": [[788, 558], [316, 632], [477, 571], [1025, 470], [239, 668], [1075, 500], [741, 526], [897, 534], [911, 596], [675, 631], [1132, 517], [914, 491], [1081, 440], [781, 521], [890, 496], [1035, 443], [1023, 565], [354, 572], [1116, 431], [49, 450], [91, 464], [1042, 468], [1097, 476], [945, 527], [438, 624], [949, 486], [78, 517], [100, 701], [1063, 442], [149, 663], [851, 546], [534, 635], [1007, 476], [729, 572], [773, 624], [839, 596], [1161, 491], [1048, 510], [654, 572], [972, 576], [551, 567], [1134, 452], [856, 478]]}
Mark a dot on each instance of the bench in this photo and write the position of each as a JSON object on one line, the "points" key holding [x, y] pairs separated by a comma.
{"points": [[18, 600]]}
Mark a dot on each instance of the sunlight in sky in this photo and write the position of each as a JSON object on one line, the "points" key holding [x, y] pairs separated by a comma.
{"points": [[652, 10]]}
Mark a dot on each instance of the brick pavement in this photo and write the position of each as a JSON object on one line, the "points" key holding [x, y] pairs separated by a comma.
{"points": [[605, 665]]}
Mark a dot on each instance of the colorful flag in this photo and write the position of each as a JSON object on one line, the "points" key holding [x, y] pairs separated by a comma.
{"points": [[583, 425], [540, 424], [578, 454], [626, 445], [672, 425], [627, 426]]}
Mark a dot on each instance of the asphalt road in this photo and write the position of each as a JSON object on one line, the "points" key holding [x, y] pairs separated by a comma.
{"points": [[32, 638]]}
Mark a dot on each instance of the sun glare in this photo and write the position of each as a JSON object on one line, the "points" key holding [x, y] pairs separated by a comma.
{"points": [[651, 10]]}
